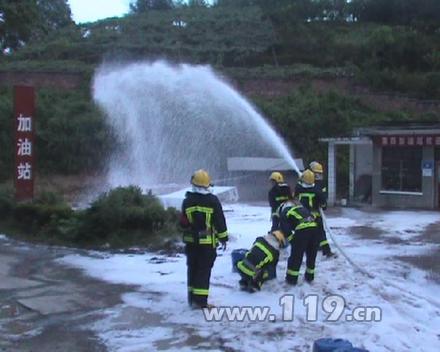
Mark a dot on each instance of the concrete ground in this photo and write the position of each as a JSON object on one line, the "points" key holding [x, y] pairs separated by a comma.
{"points": [[45, 306], [428, 262]]}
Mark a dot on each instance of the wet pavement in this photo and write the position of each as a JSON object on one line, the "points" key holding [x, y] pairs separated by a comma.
{"points": [[45, 306], [428, 262]]}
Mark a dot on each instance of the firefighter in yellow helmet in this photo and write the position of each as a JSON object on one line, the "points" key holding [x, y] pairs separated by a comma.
{"points": [[265, 251], [299, 225], [278, 194], [204, 228], [317, 199]]}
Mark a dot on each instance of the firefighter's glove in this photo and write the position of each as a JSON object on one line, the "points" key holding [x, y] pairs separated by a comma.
{"points": [[223, 245]]}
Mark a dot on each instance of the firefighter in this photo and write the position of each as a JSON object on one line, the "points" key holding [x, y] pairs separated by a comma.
{"points": [[204, 227], [301, 229], [278, 194], [253, 268], [318, 171]]}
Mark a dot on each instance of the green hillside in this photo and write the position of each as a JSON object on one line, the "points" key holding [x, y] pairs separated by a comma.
{"points": [[383, 45]]}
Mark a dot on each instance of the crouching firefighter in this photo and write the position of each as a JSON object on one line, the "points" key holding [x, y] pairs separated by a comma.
{"points": [[253, 268], [298, 223], [204, 227], [278, 194]]}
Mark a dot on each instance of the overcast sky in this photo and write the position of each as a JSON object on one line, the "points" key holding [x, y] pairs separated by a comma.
{"points": [[92, 10]]}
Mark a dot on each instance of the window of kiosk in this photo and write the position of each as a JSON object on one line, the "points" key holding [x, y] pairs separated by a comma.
{"points": [[401, 169]]}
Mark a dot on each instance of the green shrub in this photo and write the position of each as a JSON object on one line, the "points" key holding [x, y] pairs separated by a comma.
{"points": [[33, 216], [6, 135], [122, 212], [122, 217], [7, 201]]}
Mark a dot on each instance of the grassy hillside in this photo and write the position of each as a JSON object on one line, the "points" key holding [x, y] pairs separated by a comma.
{"points": [[242, 43]]}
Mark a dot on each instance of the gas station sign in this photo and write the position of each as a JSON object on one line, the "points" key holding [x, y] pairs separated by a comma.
{"points": [[24, 114]]}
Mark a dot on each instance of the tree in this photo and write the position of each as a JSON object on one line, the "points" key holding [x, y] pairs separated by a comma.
{"points": [[141, 6], [335, 10], [22, 20], [18, 18], [197, 3], [54, 14], [419, 13], [236, 3]]}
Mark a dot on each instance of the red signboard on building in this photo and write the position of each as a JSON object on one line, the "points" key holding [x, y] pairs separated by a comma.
{"points": [[24, 102], [411, 141]]}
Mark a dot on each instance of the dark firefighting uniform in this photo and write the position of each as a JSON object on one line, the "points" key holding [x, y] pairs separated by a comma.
{"points": [[253, 268], [278, 194], [315, 198], [299, 225], [204, 226]]}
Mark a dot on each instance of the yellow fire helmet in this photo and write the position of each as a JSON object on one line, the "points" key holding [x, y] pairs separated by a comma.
{"points": [[201, 178], [280, 238], [316, 167], [308, 178], [277, 177]]}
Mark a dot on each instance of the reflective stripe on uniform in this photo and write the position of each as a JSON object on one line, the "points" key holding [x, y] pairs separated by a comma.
{"points": [[281, 198], [206, 240], [242, 267], [195, 208], [222, 235], [188, 239], [200, 292], [292, 211], [306, 225], [323, 243], [310, 271], [208, 220], [310, 197], [292, 272], [207, 211], [269, 256], [210, 238]]}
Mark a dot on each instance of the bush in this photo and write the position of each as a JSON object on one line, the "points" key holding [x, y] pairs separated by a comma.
{"points": [[122, 217], [124, 214], [6, 135], [120, 208], [7, 201], [33, 216]]}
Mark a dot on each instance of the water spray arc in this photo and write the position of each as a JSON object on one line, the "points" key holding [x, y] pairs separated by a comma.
{"points": [[170, 120]]}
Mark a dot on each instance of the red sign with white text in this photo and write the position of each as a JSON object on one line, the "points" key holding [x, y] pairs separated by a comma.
{"points": [[24, 102], [408, 141]]}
